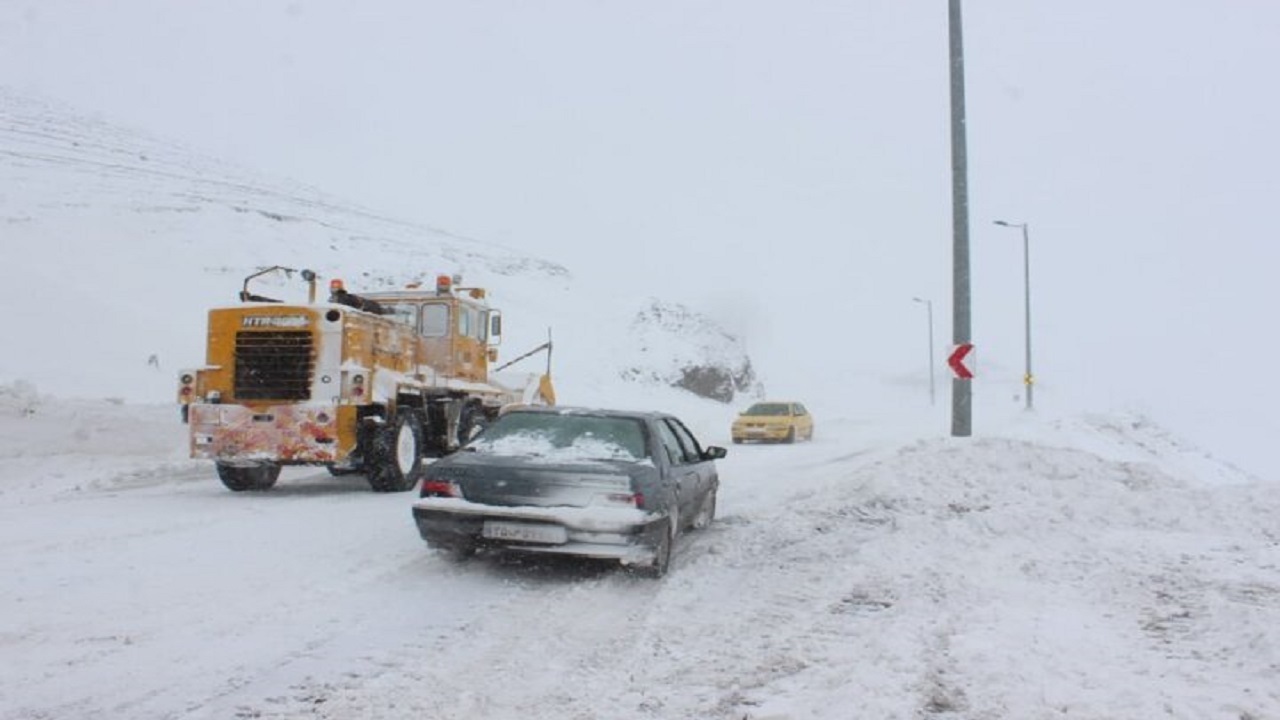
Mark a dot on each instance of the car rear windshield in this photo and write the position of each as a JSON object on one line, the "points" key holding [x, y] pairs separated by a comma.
{"points": [[564, 437], [769, 409]]}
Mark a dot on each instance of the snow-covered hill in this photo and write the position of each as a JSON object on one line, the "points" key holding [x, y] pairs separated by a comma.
{"points": [[116, 243]]}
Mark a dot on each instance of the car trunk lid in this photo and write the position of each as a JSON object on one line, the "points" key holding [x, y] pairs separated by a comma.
{"points": [[521, 481]]}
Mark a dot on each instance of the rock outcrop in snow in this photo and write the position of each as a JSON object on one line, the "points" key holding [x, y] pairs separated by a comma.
{"points": [[696, 354]]}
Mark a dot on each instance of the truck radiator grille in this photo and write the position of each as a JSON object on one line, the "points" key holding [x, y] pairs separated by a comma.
{"points": [[274, 365]]}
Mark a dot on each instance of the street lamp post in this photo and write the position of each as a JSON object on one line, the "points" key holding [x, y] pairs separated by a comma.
{"points": [[932, 387], [1028, 379]]}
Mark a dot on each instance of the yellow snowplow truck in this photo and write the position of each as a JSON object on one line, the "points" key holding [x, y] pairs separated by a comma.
{"points": [[370, 383]]}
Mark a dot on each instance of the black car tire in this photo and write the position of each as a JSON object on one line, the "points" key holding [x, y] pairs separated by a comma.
{"points": [[706, 512], [239, 478], [661, 552], [395, 457], [472, 422], [791, 436]]}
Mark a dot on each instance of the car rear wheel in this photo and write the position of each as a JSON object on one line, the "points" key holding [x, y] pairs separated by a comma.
{"points": [[661, 552], [239, 478]]}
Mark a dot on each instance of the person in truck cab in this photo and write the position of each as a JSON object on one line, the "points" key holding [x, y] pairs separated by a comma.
{"points": [[338, 294]]}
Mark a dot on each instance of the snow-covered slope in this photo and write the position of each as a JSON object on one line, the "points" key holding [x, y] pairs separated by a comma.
{"points": [[116, 244]]}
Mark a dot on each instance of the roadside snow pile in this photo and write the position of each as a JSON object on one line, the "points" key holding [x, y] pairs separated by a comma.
{"points": [[1138, 438], [1001, 578], [50, 446], [682, 348]]}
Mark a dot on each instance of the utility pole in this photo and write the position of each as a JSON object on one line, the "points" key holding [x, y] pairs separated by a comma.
{"points": [[961, 388]]}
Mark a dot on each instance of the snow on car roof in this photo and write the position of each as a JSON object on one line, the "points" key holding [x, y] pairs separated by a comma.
{"points": [[578, 410]]}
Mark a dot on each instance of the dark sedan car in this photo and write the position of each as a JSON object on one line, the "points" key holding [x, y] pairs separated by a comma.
{"points": [[573, 481]]}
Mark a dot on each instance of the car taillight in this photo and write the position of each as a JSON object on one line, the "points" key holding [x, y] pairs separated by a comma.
{"points": [[630, 499], [439, 488]]}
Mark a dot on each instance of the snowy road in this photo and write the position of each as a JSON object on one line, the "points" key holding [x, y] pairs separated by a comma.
{"points": [[1093, 570], [139, 587]]}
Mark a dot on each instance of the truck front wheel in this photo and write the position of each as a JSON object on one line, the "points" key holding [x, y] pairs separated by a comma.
{"points": [[259, 476], [395, 458]]}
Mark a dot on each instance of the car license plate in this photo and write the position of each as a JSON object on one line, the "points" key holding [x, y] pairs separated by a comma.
{"points": [[522, 532]]}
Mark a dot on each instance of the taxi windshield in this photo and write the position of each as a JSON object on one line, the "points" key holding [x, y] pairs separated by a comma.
{"points": [[768, 409]]}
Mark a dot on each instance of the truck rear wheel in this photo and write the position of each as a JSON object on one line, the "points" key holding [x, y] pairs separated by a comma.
{"points": [[238, 478], [395, 458]]}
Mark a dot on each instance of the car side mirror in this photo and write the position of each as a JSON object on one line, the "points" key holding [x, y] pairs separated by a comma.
{"points": [[714, 452]]}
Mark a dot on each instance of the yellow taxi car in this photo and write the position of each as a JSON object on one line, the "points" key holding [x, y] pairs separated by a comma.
{"points": [[773, 421]]}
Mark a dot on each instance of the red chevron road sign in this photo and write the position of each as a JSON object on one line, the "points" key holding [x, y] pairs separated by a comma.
{"points": [[956, 361]]}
